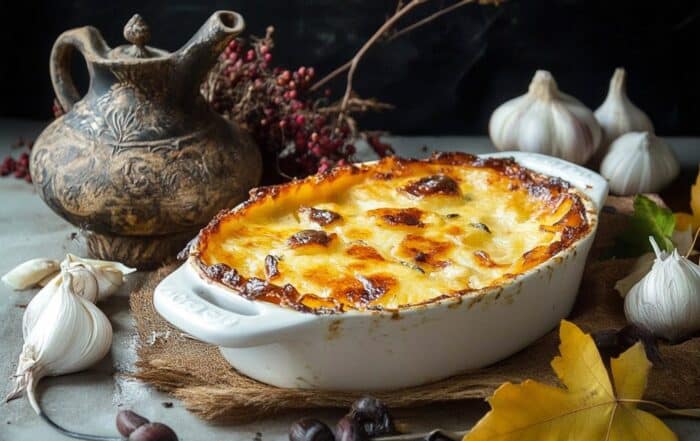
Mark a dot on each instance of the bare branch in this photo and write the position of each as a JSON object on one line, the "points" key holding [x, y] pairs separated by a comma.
{"points": [[400, 11], [429, 18], [365, 47]]}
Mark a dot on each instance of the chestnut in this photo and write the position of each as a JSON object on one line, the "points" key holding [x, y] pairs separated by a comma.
{"points": [[310, 429], [128, 421], [373, 415], [153, 432], [349, 429]]}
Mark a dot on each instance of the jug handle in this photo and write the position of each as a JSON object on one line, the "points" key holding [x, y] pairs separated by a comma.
{"points": [[87, 40]]}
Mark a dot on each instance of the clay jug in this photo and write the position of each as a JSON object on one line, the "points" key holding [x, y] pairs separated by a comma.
{"points": [[141, 162]]}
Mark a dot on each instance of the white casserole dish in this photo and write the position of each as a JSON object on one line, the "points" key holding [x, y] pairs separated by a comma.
{"points": [[366, 351]]}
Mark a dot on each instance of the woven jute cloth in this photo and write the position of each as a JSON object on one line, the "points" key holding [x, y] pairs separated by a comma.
{"points": [[197, 374]]}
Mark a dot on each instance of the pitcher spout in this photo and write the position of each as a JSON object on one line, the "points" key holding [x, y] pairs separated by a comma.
{"points": [[201, 52]]}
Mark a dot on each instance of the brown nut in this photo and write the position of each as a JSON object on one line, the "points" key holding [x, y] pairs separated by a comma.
{"points": [[153, 432], [349, 429], [310, 429], [128, 421], [373, 415]]}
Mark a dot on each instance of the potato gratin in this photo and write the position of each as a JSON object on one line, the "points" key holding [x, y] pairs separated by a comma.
{"points": [[392, 234]]}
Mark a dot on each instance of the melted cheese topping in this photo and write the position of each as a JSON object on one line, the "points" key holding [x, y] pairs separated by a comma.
{"points": [[389, 240]]}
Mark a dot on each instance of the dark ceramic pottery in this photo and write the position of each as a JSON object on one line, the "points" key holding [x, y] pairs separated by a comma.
{"points": [[141, 162]]}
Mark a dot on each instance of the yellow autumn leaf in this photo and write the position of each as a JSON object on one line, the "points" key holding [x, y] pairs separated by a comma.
{"points": [[692, 220], [589, 408]]}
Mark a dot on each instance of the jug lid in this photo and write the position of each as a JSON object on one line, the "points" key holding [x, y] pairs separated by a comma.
{"points": [[136, 32]]}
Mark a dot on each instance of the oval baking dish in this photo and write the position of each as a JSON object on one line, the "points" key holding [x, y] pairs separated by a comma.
{"points": [[341, 340]]}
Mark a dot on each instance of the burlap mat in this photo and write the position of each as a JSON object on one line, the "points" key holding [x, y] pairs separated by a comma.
{"points": [[197, 374]]}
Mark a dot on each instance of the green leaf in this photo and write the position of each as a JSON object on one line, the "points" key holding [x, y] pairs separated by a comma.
{"points": [[648, 219]]}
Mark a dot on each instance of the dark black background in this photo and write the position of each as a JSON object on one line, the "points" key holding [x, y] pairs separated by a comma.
{"points": [[446, 77]]}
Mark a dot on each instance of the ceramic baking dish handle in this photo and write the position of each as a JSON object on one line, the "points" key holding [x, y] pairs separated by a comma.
{"points": [[589, 182], [214, 315]]}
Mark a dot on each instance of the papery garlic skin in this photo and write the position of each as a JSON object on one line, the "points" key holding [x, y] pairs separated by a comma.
{"points": [[69, 335], [639, 162], [666, 301], [30, 273], [618, 114], [37, 306], [547, 121], [83, 283], [109, 275]]}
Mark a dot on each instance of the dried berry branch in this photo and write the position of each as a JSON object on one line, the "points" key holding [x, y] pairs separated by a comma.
{"points": [[299, 129]]}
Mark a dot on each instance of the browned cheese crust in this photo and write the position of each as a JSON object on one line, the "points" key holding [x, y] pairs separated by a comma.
{"points": [[392, 234]]}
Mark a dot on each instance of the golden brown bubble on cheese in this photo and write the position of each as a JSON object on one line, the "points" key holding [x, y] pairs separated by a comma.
{"points": [[392, 234]]}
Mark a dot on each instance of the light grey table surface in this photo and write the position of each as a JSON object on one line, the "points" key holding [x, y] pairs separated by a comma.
{"points": [[88, 401]]}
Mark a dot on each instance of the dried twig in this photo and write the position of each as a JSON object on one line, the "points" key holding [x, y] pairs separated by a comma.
{"points": [[429, 18], [400, 9], [365, 47]]}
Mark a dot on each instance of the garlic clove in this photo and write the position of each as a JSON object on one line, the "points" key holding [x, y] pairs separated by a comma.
{"points": [[618, 114], [109, 275], [639, 162], [546, 120], [666, 301], [69, 335], [84, 282], [30, 273], [46, 280]]}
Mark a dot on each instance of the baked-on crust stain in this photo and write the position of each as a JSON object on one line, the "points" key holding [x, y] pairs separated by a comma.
{"points": [[363, 252], [431, 185], [320, 217], [309, 237], [399, 216], [357, 292]]}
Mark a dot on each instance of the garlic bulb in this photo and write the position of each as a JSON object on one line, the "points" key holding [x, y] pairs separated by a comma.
{"points": [[666, 301], [68, 335], [639, 162], [30, 273], [545, 120], [618, 115], [83, 283], [104, 280], [682, 239]]}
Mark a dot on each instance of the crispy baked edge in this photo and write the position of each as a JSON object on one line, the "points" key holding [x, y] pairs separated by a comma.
{"points": [[535, 183]]}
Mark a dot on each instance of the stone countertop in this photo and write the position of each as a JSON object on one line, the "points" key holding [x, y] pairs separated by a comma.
{"points": [[88, 402]]}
